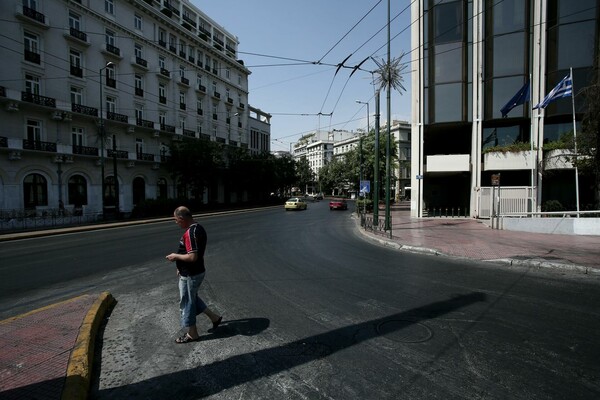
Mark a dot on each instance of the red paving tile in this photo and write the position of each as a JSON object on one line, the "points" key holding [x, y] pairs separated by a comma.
{"points": [[35, 349]]}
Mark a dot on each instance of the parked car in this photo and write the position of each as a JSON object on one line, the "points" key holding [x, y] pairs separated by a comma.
{"points": [[319, 196], [295, 203], [338, 204]]}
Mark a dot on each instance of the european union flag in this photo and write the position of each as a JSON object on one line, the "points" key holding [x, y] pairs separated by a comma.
{"points": [[563, 89], [520, 98]]}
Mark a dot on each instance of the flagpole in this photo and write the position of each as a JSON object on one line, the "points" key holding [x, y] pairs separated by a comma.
{"points": [[533, 163], [575, 141]]}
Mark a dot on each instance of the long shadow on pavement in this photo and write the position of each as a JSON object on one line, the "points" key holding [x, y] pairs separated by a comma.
{"points": [[236, 370]]}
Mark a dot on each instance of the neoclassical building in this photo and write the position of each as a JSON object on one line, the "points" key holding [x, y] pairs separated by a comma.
{"points": [[470, 57], [94, 92]]}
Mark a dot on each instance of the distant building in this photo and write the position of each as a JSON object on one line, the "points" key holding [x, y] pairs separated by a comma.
{"points": [[91, 87]]}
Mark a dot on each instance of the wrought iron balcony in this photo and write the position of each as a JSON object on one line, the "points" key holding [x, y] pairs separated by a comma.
{"points": [[85, 150], [76, 71], [33, 14], [33, 57], [144, 123], [189, 133], [81, 109], [113, 49], [113, 116], [162, 99], [37, 99], [182, 106], [77, 34], [139, 92], [141, 61], [144, 156], [39, 145], [118, 153], [167, 128]]}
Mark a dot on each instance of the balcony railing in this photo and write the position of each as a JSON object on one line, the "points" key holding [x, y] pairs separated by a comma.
{"points": [[189, 133], [185, 80], [229, 100], [76, 71], [162, 43], [141, 61], [139, 92], [39, 145], [37, 99], [77, 34], [144, 156], [33, 14], [110, 82], [189, 20], [165, 72], [85, 150], [202, 88], [192, 59], [167, 128], [200, 111], [113, 49], [81, 109], [173, 48], [205, 31], [182, 106], [32, 56], [118, 153], [113, 116], [144, 123], [217, 95], [215, 116], [162, 99]]}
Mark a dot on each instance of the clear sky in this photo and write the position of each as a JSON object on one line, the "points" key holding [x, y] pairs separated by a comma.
{"points": [[293, 47]]}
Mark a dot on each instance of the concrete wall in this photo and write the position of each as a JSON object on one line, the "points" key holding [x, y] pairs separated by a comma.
{"points": [[563, 226]]}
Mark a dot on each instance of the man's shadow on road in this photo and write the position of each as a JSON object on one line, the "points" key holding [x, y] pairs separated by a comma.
{"points": [[236, 327], [206, 380]]}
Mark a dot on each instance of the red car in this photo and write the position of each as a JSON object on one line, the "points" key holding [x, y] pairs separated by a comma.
{"points": [[338, 204]]}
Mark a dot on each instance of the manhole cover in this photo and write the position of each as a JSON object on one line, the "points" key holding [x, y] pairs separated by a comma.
{"points": [[404, 331]]}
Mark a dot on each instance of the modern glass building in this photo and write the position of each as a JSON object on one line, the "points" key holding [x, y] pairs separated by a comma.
{"points": [[470, 57]]}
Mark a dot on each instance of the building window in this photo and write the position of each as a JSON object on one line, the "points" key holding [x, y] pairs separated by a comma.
{"points": [[76, 95], [162, 94], [109, 37], [111, 104], [74, 21], [227, 73], [161, 62], [137, 50], [162, 118], [162, 37], [139, 112], [75, 61], [77, 135], [32, 51], [32, 84], [77, 188], [34, 130], [109, 6], [139, 87], [35, 191], [137, 22]]}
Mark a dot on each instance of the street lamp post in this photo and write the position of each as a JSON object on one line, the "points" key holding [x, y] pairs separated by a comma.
{"points": [[360, 178], [102, 134]]}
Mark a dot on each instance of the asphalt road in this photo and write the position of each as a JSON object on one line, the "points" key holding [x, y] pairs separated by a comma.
{"points": [[313, 311]]}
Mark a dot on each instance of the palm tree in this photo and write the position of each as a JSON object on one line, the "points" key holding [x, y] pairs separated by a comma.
{"points": [[389, 75]]}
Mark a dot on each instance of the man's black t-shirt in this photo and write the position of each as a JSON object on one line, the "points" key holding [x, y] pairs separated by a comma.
{"points": [[193, 240]]}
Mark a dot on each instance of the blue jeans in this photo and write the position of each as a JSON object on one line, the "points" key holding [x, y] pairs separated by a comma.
{"points": [[190, 304]]}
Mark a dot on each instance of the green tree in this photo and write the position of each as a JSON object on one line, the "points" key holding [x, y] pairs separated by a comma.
{"points": [[195, 165], [304, 174]]}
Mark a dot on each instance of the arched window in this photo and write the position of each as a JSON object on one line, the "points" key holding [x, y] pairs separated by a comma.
{"points": [[162, 188], [35, 191], [77, 191], [139, 190]]}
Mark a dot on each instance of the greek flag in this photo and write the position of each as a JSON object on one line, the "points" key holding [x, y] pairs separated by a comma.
{"points": [[563, 89]]}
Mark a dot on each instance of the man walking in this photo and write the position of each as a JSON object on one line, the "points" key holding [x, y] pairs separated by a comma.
{"points": [[189, 260]]}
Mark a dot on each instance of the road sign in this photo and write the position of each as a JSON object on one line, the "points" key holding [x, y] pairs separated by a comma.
{"points": [[365, 186], [496, 180]]}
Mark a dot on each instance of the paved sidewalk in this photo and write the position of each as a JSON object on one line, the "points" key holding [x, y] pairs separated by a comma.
{"points": [[473, 239], [47, 353]]}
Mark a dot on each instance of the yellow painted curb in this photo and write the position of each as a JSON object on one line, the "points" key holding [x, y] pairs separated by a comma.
{"points": [[79, 368]]}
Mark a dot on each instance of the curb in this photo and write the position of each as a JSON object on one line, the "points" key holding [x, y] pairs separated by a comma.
{"points": [[534, 263], [77, 381]]}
